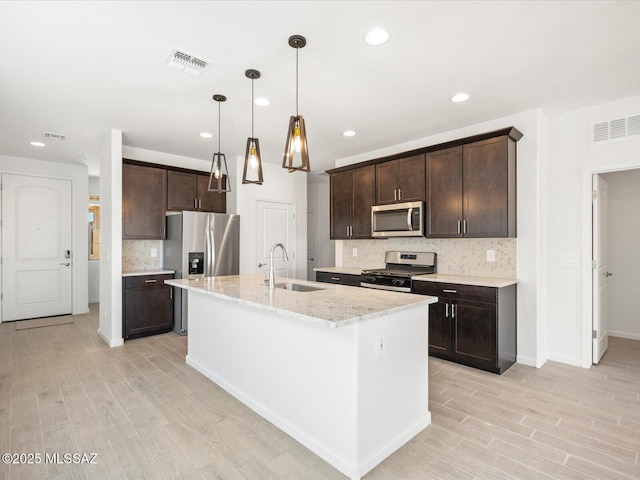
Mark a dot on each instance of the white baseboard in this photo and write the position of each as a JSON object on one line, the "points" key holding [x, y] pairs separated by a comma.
{"points": [[529, 362], [630, 336], [574, 362], [118, 342]]}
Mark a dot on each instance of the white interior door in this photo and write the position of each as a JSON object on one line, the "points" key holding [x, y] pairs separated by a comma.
{"points": [[600, 273], [36, 247], [275, 223]]}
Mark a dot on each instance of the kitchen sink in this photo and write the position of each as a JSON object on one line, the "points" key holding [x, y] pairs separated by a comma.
{"points": [[298, 287]]}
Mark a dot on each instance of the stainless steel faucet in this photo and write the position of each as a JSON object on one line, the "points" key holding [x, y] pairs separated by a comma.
{"points": [[272, 280]]}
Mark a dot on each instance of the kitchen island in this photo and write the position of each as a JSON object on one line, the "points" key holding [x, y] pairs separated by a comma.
{"points": [[341, 369]]}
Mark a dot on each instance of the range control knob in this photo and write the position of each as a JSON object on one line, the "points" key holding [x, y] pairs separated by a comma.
{"points": [[398, 282], [370, 278]]}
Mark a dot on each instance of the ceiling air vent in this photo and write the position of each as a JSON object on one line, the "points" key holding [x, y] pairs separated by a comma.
{"points": [[616, 129], [56, 136], [186, 63]]}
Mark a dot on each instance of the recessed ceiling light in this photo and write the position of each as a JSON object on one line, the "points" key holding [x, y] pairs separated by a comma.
{"points": [[460, 97], [262, 102], [376, 37], [37, 144], [348, 133], [206, 135]]}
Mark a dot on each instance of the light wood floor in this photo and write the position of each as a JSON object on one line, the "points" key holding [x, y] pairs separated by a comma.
{"points": [[148, 415]]}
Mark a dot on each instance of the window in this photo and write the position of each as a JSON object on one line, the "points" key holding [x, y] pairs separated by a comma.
{"points": [[94, 227]]}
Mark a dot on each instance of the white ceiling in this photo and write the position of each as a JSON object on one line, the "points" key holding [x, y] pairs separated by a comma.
{"points": [[82, 68]]}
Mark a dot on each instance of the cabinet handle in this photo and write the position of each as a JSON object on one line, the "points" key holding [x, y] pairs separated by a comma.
{"points": [[399, 194], [395, 194], [446, 315], [171, 294], [150, 281], [335, 278], [449, 291], [464, 227], [199, 203], [347, 230], [195, 203], [459, 227], [453, 310]]}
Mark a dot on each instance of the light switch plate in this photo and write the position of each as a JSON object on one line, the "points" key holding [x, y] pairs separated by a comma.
{"points": [[354, 252], [491, 255], [154, 252]]}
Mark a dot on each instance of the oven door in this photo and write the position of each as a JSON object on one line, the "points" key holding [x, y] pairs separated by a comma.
{"points": [[397, 220], [383, 282]]}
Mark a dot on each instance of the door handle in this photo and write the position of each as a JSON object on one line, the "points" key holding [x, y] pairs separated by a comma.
{"points": [[409, 214], [261, 265], [608, 274], [65, 264], [446, 314]]}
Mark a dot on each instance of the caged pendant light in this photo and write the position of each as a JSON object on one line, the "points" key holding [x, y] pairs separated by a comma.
{"points": [[219, 172], [252, 158], [297, 134]]}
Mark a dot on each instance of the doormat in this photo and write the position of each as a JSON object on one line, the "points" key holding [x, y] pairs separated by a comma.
{"points": [[43, 322]]}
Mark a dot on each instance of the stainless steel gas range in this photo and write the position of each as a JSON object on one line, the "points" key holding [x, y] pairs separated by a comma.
{"points": [[400, 267]]}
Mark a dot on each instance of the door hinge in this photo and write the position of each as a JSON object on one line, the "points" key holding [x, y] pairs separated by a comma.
{"points": [[594, 264], [594, 334], [594, 195]]}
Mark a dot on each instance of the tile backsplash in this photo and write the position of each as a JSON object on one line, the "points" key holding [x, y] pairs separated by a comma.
{"points": [[136, 255], [456, 256]]}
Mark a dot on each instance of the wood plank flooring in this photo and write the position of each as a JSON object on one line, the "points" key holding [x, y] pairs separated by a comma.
{"points": [[148, 415]]}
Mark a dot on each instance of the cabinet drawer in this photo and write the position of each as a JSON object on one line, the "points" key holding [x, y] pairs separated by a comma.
{"points": [[146, 280], [339, 278], [454, 291]]}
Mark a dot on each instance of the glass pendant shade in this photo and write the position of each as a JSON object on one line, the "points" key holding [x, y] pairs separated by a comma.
{"points": [[252, 163], [252, 172], [219, 176], [296, 151], [296, 154]]}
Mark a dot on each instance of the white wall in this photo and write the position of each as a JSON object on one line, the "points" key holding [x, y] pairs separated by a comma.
{"points": [[78, 175], [623, 216], [318, 242], [110, 325], [531, 247], [279, 186], [571, 154]]}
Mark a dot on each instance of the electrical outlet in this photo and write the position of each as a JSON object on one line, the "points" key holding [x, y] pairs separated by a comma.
{"points": [[154, 252], [354, 252], [381, 344], [491, 255]]}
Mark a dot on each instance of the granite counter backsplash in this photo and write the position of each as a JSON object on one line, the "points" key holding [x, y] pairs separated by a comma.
{"points": [[136, 255], [455, 256]]}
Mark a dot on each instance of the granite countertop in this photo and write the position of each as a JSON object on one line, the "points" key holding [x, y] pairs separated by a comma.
{"points": [[345, 270], [138, 273], [331, 306], [467, 280]]}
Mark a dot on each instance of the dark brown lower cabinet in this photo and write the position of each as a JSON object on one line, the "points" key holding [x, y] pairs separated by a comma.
{"points": [[339, 278], [147, 305], [474, 326]]}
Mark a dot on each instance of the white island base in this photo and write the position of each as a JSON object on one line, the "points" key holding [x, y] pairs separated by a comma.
{"points": [[329, 388]]}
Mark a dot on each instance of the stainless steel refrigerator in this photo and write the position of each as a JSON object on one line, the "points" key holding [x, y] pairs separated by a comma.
{"points": [[200, 244]]}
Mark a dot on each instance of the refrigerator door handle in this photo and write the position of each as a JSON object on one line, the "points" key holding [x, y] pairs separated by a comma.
{"points": [[210, 254]]}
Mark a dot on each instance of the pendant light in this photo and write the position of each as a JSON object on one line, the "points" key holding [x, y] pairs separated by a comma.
{"points": [[297, 134], [252, 159], [219, 170]]}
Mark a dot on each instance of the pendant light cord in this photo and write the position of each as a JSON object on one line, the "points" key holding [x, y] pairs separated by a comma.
{"points": [[297, 49], [219, 127], [252, 135]]}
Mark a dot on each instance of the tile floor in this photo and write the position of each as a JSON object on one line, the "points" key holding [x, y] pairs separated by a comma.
{"points": [[148, 415]]}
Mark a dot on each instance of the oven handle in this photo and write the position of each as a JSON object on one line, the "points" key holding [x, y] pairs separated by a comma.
{"points": [[409, 215], [385, 287]]}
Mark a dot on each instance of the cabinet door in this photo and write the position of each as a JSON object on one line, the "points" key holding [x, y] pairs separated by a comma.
{"points": [[475, 334], [144, 202], [444, 193], [386, 182], [363, 197], [210, 201], [181, 191], [440, 329], [486, 189], [411, 178], [148, 310], [341, 193]]}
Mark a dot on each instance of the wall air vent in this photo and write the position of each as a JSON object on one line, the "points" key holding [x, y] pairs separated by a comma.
{"points": [[56, 136], [615, 129], [187, 63]]}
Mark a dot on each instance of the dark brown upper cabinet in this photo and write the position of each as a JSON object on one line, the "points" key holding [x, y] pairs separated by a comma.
{"points": [[471, 190], [400, 180], [189, 191], [144, 202], [352, 196]]}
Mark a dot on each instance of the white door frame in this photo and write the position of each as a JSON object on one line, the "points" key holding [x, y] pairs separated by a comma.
{"points": [[587, 248]]}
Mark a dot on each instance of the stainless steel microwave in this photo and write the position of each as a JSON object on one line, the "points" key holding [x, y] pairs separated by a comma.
{"points": [[398, 220]]}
